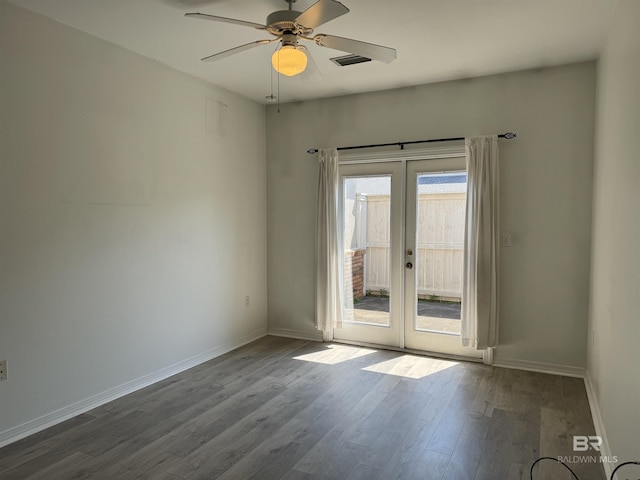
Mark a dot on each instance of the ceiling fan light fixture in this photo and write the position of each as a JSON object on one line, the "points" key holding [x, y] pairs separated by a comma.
{"points": [[289, 60]]}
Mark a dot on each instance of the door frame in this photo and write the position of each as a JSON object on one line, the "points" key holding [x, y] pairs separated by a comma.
{"points": [[403, 156]]}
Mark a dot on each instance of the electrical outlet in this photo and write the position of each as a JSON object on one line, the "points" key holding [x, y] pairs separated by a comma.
{"points": [[3, 369], [247, 301]]}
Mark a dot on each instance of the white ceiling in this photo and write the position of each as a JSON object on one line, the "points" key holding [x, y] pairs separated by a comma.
{"points": [[436, 40]]}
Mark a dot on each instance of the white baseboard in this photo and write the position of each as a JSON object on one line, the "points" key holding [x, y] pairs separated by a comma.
{"points": [[288, 333], [598, 424], [50, 419], [540, 367]]}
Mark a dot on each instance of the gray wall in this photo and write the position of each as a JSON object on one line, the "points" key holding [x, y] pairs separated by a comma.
{"points": [[546, 182], [614, 351], [132, 220]]}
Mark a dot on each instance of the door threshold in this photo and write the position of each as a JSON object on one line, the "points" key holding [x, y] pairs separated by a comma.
{"points": [[423, 353]]}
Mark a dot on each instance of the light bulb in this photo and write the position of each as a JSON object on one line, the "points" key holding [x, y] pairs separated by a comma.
{"points": [[289, 60]]}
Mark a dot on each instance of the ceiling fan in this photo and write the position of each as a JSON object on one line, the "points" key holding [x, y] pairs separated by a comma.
{"points": [[289, 26]]}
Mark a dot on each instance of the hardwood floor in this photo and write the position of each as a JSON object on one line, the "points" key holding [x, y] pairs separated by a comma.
{"points": [[288, 409]]}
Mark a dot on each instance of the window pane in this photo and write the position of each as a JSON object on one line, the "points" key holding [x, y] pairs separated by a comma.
{"points": [[440, 214], [367, 249]]}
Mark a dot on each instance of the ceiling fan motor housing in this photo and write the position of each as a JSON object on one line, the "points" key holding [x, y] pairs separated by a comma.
{"points": [[285, 21]]}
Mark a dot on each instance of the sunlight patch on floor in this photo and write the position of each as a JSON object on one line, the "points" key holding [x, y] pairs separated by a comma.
{"points": [[411, 366], [335, 354]]}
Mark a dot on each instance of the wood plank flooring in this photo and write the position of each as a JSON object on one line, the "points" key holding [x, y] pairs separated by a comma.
{"points": [[288, 409]]}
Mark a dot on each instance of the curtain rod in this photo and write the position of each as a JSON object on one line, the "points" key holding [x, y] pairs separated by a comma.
{"points": [[508, 136]]}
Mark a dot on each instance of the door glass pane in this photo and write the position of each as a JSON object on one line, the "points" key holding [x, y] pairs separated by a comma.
{"points": [[440, 214], [367, 249]]}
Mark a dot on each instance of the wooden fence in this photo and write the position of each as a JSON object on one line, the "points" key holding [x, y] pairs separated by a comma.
{"points": [[440, 238]]}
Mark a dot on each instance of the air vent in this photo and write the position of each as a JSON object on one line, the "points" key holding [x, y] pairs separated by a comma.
{"points": [[347, 60]]}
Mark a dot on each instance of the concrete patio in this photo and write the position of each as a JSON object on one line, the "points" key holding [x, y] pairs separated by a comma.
{"points": [[432, 315]]}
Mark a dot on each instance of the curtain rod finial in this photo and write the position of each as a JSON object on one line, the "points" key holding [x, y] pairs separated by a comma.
{"points": [[510, 135], [311, 151]]}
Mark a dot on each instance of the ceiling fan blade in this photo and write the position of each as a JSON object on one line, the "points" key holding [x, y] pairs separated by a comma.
{"points": [[241, 48], [312, 72], [215, 18], [364, 49], [321, 12]]}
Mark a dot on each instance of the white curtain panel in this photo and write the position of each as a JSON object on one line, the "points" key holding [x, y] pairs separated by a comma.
{"points": [[328, 259], [481, 246]]}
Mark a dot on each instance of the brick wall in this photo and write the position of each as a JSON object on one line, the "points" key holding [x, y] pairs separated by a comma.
{"points": [[354, 272]]}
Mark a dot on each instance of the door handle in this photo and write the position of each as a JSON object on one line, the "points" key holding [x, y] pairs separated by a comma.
{"points": [[409, 265]]}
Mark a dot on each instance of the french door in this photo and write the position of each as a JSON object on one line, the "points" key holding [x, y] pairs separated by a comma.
{"points": [[371, 227], [402, 230]]}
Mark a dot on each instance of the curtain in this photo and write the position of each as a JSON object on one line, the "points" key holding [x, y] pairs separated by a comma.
{"points": [[479, 314], [328, 259]]}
